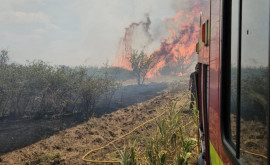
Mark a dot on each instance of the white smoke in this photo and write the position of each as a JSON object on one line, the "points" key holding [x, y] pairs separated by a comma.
{"points": [[104, 22]]}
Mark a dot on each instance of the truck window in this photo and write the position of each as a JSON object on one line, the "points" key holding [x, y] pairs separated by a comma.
{"points": [[248, 95]]}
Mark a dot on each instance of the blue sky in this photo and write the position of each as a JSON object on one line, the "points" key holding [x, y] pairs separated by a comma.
{"points": [[75, 32]]}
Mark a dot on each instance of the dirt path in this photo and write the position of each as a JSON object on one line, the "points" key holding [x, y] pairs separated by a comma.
{"points": [[68, 146]]}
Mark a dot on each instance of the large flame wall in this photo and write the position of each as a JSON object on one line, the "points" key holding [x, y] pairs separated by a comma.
{"points": [[176, 51]]}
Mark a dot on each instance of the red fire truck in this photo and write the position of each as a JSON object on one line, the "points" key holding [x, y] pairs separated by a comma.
{"points": [[233, 82]]}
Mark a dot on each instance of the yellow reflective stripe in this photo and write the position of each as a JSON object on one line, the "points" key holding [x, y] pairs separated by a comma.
{"points": [[200, 45], [208, 32], [215, 159]]}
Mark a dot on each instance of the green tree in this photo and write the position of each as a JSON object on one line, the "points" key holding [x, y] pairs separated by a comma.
{"points": [[4, 57], [141, 64]]}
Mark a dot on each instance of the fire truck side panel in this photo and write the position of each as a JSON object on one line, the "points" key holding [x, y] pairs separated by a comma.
{"points": [[217, 153]]}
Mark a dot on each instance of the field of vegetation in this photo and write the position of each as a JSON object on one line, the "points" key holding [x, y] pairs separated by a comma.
{"points": [[56, 114], [39, 90], [168, 138]]}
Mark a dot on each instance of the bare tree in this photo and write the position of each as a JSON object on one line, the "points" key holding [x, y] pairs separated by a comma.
{"points": [[141, 64]]}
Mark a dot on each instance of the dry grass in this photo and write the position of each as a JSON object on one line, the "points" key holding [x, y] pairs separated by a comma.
{"points": [[173, 142]]}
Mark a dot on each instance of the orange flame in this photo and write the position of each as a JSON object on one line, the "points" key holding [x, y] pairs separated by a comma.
{"points": [[177, 51]]}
